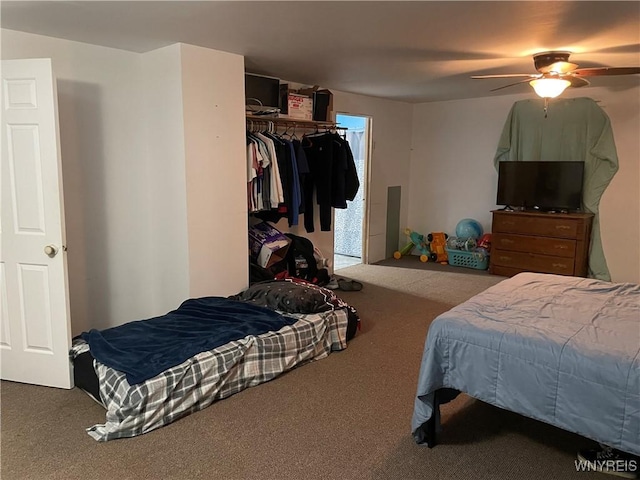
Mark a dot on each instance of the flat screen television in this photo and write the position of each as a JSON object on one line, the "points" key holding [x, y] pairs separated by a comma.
{"points": [[261, 90], [546, 186]]}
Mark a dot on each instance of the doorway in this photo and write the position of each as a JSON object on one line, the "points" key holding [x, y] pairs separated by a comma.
{"points": [[349, 237]]}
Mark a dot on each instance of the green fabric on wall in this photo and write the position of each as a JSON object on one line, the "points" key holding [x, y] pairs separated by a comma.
{"points": [[574, 129]]}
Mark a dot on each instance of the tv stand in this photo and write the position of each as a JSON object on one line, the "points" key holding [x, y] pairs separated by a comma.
{"points": [[525, 241]]}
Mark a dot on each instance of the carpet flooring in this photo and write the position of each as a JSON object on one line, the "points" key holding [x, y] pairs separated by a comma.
{"points": [[344, 417]]}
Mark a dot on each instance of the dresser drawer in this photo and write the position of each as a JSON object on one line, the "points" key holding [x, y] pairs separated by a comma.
{"points": [[535, 225], [559, 247], [532, 262]]}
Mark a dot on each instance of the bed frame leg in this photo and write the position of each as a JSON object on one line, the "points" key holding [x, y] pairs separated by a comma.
{"points": [[432, 439]]}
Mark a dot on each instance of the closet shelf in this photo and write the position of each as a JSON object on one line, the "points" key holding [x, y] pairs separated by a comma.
{"points": [[294, 122]]}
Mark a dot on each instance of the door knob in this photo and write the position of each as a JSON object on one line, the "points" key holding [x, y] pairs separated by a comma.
{"points": [[51, 250]]}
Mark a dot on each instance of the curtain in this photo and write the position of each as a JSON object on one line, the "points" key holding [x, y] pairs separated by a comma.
{"points": [[575, 129]]}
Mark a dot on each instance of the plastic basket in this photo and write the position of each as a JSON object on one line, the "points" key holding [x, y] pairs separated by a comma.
{"points": [[462, 258]]}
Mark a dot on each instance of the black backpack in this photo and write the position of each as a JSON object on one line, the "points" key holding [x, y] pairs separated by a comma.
{"points": [[300, 261]]}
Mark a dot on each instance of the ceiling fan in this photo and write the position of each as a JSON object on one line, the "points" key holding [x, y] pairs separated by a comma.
{"points": [[556, 73]]}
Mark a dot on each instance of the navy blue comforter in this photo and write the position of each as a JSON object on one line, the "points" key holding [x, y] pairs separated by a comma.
{"points": [[144, 348]]}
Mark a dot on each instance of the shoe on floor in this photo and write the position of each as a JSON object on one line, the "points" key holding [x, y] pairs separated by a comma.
{"points": [[349, 285], [333, 283], [609, 460]]}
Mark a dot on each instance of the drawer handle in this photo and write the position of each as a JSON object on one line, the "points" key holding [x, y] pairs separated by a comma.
{"points": [[563, 227], [506, 241], [506, 222], [505, 258], [559, 265], [561, 247]]}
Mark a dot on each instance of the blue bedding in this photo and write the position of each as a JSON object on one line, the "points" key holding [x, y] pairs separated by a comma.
{"points": [[562, 350], [144, 348]]}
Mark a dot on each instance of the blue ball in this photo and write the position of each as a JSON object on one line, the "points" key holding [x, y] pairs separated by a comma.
{"points": [[469, 228]]}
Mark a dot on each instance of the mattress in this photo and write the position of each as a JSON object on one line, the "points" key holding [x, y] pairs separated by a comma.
{"points": [[84, 373], [563, 350], [206, 377]]}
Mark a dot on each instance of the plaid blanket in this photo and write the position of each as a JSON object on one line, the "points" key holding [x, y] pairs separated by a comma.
{"points": [[212, 375]]}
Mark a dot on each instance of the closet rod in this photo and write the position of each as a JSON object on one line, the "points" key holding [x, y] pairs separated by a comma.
{"points": [[295, 122]]}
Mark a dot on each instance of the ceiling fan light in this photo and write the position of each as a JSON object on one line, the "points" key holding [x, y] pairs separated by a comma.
{"points": [[549, 87]]}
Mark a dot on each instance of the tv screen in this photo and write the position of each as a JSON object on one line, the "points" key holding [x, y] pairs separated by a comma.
{"points": [[540, 185], [260, 90]]}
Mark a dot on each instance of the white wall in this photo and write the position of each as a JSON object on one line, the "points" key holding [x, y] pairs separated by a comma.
{"points": [[620, 204], [154, 198], [194, 111], [452, 173], [390, 160], [216, 174], [163, 128], [104, 164]]}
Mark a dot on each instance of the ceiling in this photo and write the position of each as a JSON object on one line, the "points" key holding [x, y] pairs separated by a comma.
{"points": [[410, 51]]}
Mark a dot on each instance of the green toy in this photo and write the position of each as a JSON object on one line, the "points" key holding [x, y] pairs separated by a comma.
{"points": [[419, 242], [406, 250]]}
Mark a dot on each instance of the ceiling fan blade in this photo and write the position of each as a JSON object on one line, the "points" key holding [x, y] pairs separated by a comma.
{"points": [[510, 85], [559, 67], [597, 71], [506, 75], [575, 81]]}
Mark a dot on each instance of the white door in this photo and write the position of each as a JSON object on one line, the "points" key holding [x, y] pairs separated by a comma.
{"points": [[35, 330]]}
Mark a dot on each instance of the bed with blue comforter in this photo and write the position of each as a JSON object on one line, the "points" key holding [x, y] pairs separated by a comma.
{"points": [[563, 350]]}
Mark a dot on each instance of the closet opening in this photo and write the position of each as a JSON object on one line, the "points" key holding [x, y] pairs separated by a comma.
{"points": [[350, 224]]}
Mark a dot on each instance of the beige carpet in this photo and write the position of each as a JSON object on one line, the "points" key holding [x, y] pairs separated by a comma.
{"points": [[344, 417]]}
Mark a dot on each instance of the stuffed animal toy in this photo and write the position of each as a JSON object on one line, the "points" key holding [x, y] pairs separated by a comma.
{"points": [[437, 243]]}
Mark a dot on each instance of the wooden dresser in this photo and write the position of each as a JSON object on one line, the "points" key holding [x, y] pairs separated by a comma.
{"points": [[540, 242]]}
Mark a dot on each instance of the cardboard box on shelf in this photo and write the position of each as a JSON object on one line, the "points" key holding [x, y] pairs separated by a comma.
{"points": [[267, 244], [309, 91], [299, 106]]}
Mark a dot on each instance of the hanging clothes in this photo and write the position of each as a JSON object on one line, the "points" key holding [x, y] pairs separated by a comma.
{"points": [[254, 175], [352, 183], [285, 175], [319, 152], [263, 173], [574, 129], [279, 179], [303, 169], [296, 198], [276, 192], [332, 177]]}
